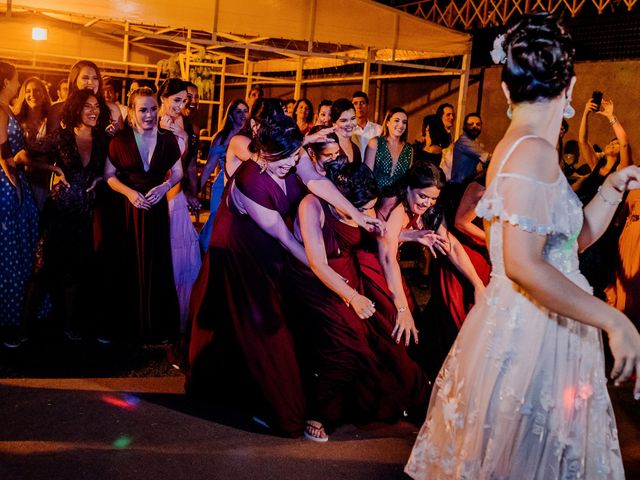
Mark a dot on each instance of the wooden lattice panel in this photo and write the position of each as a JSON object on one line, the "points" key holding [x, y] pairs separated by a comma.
{"points": [[466, 14]]}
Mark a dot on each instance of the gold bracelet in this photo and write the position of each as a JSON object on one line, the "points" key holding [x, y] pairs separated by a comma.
{"points": [[613, 121], [348, 302]]}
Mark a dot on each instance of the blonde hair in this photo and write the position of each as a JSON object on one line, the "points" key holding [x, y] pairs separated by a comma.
{"points": [[131, 104]]}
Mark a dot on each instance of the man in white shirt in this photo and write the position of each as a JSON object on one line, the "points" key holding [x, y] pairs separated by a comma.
{"points": [[447, 114], [365, 130]]}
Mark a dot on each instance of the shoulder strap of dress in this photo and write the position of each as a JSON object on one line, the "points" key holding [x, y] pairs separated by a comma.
{"points": [[511, 150]]}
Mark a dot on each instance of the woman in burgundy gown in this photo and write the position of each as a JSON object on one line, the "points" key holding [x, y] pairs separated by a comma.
{"points": [[457, 277], [355, 370], [142, 304], [241, 351]]}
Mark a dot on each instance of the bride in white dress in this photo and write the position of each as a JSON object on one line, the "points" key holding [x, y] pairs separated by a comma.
{"points": [[522, 394]]}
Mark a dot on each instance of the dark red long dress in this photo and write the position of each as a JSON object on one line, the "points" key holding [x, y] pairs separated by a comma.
{"points": [[142, 303], [241, 350], [354, 369], [452, 296]]}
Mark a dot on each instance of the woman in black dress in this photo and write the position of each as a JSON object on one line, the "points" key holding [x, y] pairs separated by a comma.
{"points": [[67, 262]]}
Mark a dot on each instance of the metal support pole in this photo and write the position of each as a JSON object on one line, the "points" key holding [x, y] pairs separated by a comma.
{"points": [[125, 47], [187, 62], [222, 82], [366, 72], [462, 93], [249, 79], [312, 24], [245, 65], [376, 115], [298, 87]]}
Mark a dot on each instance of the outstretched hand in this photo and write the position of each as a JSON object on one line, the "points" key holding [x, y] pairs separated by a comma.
{"points": [[591, 107], [370, 224], [433, 241], [405, 326], [319, 136], [606, 109]]}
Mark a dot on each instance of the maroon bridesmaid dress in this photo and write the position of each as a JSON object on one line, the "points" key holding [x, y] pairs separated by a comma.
{"points": [[241, 351], [452, 296], [353, 369], [142, 301]]}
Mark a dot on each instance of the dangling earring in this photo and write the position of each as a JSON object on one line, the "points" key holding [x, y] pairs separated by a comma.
{"points": [[262, 163], [568, 111], [509, 112]]}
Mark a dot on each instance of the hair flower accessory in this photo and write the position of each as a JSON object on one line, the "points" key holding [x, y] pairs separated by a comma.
{"points": [[498, 55]]}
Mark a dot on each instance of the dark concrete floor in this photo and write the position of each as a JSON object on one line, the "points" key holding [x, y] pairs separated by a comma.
{"points": [[132, 428], [82, 411]]}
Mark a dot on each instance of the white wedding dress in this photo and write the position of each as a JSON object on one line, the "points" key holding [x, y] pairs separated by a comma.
{"points": [[522, 394]]}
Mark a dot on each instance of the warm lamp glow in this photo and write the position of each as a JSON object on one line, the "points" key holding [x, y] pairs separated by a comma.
{"points": [[39, 33]]}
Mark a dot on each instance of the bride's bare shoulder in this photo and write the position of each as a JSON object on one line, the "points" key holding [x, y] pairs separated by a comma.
{"points": [[531, 157]]}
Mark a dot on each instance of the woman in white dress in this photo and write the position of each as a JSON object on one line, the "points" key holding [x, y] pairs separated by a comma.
{"points": [[185, 249], [522, 394]]}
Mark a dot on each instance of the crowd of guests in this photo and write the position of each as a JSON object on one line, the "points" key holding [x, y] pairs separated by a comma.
{"points": [[290, 303]]}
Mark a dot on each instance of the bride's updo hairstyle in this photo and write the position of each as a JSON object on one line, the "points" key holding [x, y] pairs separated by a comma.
{"points": [[538, 58]]}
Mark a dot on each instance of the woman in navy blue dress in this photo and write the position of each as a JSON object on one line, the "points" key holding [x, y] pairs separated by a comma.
{"points": [[18, 216]]}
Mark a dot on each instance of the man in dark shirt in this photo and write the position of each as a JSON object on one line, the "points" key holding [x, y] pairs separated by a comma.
{"points": [[468, 151]]}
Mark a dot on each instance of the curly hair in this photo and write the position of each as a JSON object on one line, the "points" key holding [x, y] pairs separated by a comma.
{"points": [[72, 110], [540, 56], [355, 181]]}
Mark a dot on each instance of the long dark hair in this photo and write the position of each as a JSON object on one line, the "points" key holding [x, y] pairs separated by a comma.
{"points": [[225, 131], [169, 87], [21, 109], [74, 73], [262, 111], [425, 175], [437, 132], [72, 110], [387, 117]]}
